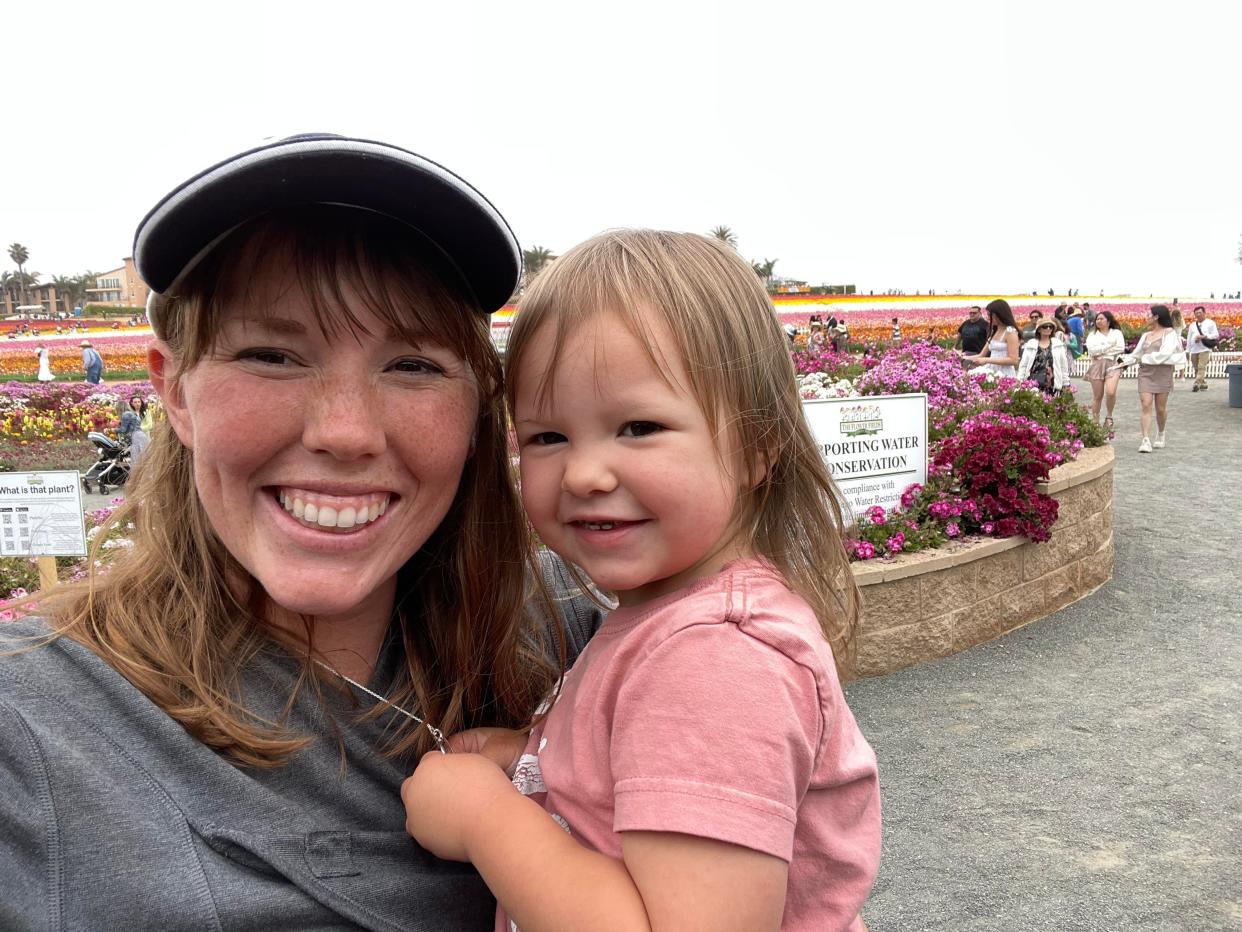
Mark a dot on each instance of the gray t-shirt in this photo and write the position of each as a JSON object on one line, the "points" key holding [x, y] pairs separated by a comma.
{"points": [[113, 817]]}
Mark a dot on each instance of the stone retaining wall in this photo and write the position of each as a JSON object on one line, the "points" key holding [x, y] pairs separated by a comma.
{"points": [[921, 606]]}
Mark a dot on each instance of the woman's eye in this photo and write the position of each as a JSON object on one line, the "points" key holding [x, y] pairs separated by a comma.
{"points": [[417, 366], [641, 428], [270, 357]]}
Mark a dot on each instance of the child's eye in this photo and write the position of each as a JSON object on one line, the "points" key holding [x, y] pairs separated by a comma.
{"points": [[641, 428], [545, 438]]}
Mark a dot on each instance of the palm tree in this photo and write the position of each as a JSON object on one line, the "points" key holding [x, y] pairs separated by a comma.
{"points": [[74, 287], [725, 235], [534, 259], [20, 255], [765, 270]]}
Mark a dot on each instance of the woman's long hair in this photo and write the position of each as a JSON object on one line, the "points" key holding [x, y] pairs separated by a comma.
{"points": [[725, 330], [999, 310], [179, 617], [1162, 314]]}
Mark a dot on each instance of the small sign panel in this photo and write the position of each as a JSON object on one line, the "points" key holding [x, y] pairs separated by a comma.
{"points": [[41, 515], [875, 445]]}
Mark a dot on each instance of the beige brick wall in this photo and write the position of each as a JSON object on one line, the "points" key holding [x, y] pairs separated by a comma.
{"points": [[921, 606]]}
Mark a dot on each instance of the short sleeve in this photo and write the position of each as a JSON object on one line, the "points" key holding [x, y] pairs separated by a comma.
{"points": [[716, 734], [26, 828]]}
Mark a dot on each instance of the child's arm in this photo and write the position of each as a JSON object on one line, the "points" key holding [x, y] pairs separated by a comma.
{"points": [[462, 807]]}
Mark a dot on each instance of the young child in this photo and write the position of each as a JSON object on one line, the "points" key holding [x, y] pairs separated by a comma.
{"points": [[699, 765]]}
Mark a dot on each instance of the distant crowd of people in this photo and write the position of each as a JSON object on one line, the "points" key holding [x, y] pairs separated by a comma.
{"points": [[1043, 352]]}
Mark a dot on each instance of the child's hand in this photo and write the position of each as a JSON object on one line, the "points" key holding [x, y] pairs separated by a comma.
{"points": [[502, 746], [447, 798]]}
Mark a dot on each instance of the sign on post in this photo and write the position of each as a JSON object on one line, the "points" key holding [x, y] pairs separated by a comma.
{"points": [[41, 515], [875, 446]]}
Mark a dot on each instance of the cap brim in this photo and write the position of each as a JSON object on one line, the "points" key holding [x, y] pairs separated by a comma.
{"points": [[326, 169]]}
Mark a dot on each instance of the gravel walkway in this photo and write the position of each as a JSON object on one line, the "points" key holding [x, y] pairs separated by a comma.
{"points": [[1083, 772]]}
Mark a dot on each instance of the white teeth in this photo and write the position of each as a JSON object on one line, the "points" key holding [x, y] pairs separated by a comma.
{"points": [[601, 526], [320, 514]]}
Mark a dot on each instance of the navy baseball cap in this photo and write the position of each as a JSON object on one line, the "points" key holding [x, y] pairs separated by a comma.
{"points": [[323, 168]]}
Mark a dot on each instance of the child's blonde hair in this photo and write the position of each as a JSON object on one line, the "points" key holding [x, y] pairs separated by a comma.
{"points": [[737, 359]]}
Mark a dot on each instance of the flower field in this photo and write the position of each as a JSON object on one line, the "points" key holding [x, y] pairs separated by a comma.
{"points": [[871, 322], [123, 353], [43, 425]]}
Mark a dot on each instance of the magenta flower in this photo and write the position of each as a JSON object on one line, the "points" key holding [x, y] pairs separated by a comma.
{"points": [[952, 529]]}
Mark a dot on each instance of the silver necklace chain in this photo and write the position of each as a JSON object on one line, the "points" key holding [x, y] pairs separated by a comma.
{"points": [[436, 734]]}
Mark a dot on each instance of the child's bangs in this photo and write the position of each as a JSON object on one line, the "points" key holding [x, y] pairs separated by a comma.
{"points": [[583, 286]]}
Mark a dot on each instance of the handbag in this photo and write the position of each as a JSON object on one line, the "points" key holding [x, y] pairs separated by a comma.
{"points": [[1209, 342]]}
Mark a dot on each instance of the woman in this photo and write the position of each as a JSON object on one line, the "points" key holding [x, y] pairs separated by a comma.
{"points": [[45, 369], [130, 429], [1158, 353], [1000, 356], [840, 337], [1105, 344], [148, 413], [328, 572], [1045, 360]]}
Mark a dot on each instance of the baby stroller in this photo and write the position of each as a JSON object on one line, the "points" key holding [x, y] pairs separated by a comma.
{"points": [[112, 467]]}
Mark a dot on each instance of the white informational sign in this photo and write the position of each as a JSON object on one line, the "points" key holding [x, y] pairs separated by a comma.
{"points": [[875, 446], [41, 515]]}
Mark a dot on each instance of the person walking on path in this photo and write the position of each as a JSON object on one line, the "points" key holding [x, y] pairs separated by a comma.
{"points": [[92, 363], [972, 334], [45, 369], [1158, 353], [1201, 339], [1105, 344], [1045, 359]]}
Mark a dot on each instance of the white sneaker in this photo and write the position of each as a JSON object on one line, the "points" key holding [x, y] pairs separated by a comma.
{"points": [[1145, 446], [1159, 440]]}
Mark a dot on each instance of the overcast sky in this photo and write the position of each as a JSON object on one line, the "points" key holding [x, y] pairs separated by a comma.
{"points": [[982, 146]]}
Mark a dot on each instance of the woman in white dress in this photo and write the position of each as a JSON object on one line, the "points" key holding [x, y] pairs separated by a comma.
{"points": [[1000, 356], [45, 369]]}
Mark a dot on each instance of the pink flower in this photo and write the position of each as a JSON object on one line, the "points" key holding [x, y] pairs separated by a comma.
{"points": [[988, 527], [952, 529], [896, 542], [875, 514], [863, 550]]}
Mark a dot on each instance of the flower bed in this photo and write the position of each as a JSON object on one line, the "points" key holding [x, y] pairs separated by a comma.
{"points": [[921, 606], [990, 443], [19, 576]]}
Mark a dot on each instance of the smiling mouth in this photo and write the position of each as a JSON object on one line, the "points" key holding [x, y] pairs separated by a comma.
{"points": [[333, 512], [604, 525]]}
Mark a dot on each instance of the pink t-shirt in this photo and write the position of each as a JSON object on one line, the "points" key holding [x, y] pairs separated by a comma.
{"points": [[716, 712]]}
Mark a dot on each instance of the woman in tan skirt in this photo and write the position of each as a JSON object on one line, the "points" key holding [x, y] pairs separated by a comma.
{"points": [[1158, 353], [1105, 344]]}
